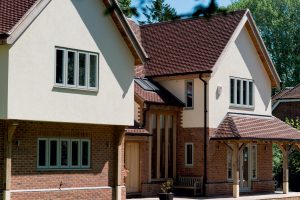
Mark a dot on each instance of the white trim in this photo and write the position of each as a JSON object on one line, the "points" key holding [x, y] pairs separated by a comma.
{"points": [[27, 19], [284, 101], [62, 189], [185, 154]]}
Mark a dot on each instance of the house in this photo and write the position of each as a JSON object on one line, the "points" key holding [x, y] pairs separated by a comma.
{"points": [[203, 108], [67, 92], [286, 103]]}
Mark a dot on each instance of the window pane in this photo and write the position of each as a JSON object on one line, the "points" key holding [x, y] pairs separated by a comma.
{"points": [[93, 71], [238, 94], [229, 164], [42, 153], [189, 94], [64, 153], [189, 154], [59, 76], [254, 161], [85, 153], [232, 89], [82, 69], [53, 153], [71, 68], [251, 93], [75, 153], [244, 92]]}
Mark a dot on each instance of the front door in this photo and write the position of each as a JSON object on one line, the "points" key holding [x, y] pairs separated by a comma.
{"points": [[245, 177], [132, 164]]}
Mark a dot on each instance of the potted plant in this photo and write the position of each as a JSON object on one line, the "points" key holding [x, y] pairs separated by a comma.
{"points": [[166, 189]]}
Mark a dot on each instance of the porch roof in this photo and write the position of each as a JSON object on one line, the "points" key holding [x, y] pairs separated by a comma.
{"points": [[255, 127], [136, 130]]}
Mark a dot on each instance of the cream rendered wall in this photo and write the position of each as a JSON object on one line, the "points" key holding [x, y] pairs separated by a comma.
{"points": [[3, 80], [80, 25], [240, 60], [191, 118]]}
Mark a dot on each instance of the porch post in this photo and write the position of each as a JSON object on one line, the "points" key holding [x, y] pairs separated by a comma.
{"points": [[119, 162], [7, 159], [235, 170], [285, 167]]}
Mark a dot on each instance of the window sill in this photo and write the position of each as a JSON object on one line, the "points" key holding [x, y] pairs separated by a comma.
{"points": [[62, 169], [242, 107], [62, 87]]}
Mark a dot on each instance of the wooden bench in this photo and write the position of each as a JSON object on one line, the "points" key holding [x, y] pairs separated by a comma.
{"points": [[194, 183]]}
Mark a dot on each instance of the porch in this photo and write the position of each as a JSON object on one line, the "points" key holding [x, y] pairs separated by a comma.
{"points": [[276, 195]]}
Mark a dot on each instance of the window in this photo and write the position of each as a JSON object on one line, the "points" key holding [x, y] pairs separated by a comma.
{"points": [[189, 96], [241, 92], [229, 163], [63, 153], [76, 69], [254, 161], [189, 154]]}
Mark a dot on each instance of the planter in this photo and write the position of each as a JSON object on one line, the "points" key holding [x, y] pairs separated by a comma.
{"points": [[165, 196]]}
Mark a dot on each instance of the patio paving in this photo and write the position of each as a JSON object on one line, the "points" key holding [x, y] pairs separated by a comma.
{"points": [[277, 195]]}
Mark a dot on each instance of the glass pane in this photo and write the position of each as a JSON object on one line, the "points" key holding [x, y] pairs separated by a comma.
{"points": [[251, 93], [154, 147], [189, 94], [254, 161], [162, 146], [238, 94], [82, 69], [75, 153], [71, 68], [64, 153], [189, 154], [93, 71], [229, 164], [42, 153], [85, 153], [244, 92], [232, 89], [245, 167], [53, 153], [59, 76]]}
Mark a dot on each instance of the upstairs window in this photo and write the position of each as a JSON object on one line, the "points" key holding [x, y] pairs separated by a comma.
{"points": [[76, 69], [189, 94], [241, 92]]}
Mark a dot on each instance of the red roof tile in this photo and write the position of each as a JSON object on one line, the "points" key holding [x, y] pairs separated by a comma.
{"points": [[281, 93], [248, 127], [161, 96], [188, 45], [11, 12]]}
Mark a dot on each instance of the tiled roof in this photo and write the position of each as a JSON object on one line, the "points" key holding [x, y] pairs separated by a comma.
{"points": [[248, 127], [188, 45], [160, 96], [288, 93], [11, 12], [136, 130]]}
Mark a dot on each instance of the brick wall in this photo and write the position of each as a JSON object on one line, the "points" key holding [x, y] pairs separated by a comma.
{"points": [[289, 110], [196, 136], [25, 174]]}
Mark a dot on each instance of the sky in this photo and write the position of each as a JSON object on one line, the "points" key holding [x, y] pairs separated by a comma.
{"points": [[186, 6]]}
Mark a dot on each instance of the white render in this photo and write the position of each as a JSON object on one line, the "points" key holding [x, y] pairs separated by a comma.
{"points": [[240, 60], [78, 25], [194, 117]]}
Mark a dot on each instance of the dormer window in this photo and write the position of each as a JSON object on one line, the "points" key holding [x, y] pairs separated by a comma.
{"points": [[241, 92], [76, 69]]}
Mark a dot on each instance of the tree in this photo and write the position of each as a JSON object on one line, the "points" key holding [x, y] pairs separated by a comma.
{"points": [[279, 25], [126, 8], [159, 11]]}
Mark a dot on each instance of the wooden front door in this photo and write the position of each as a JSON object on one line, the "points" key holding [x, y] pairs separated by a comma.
{"points": [[132, 164]]}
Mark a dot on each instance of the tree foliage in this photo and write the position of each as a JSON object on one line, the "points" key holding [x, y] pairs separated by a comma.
{"points": [[279, 25], [159, 11], [126, 8]]}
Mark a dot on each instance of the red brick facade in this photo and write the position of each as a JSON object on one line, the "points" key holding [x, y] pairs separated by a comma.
{"points": [[98, 182]]}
